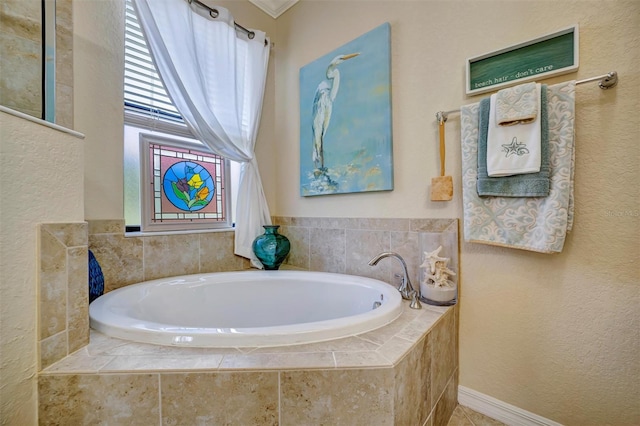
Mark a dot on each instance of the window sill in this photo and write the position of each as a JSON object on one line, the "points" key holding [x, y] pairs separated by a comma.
{"points": [[182, 232], [41, 122]]}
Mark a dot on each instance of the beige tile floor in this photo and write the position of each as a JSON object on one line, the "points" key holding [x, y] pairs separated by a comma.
{"points": [[463, 416]]}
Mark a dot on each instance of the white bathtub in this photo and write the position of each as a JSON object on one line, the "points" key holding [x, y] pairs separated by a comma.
{"points": [[246, 308]]}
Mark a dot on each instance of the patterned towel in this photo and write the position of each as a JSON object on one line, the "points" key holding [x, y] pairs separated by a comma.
{"points": [[517, 105], [538, 224]]}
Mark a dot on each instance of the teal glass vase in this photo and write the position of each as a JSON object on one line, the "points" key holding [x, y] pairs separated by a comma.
{"points": [[271, 248]]}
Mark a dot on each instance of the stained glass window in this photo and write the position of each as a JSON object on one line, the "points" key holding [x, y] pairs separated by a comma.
{"points": [[183, 186]]}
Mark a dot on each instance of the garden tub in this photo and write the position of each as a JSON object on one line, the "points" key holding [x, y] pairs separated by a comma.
{"points": [[246, 309]]}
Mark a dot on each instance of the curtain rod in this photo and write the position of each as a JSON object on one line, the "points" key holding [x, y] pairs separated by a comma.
{"points": [[607, 81], [214, 14]]}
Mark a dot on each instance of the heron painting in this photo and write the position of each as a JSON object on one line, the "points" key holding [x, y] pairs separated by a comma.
{"points": [[345, 118]]}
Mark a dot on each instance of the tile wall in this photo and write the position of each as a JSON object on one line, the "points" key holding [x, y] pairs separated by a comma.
{"points": [[21, 58], [341, 245], [345, 245], [64, 63], [131, 259], [63, 317]]}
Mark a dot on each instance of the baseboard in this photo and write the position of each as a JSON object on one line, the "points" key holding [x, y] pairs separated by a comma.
{"points": [[498, 410]]}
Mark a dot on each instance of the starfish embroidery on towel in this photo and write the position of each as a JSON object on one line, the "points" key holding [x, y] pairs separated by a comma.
{"points": [[515, 147]]}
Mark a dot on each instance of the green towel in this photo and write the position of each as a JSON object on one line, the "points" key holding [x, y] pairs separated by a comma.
{"points": [[524, 185]]}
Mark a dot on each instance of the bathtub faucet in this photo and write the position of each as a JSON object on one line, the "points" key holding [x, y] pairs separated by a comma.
{"points": [[406, 289]]}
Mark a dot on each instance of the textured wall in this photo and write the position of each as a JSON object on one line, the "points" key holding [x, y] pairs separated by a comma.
{"points": [[556, 335], [98, 63], [34, 190]]}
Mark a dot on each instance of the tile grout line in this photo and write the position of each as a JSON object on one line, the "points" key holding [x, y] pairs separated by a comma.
{"points": [[144, 272], [308, 248], [199, 254], [444, 389], [66, 291], [160, 399], [279, 397], [68, 296], [466, 416]]}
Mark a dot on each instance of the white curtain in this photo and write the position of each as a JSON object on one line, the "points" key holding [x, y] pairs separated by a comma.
{"points": [[216, 79]]}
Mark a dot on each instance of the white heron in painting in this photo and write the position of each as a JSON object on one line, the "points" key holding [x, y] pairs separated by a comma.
{"points": [[322, 105]]}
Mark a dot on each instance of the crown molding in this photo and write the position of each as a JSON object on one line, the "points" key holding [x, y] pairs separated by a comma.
{"points": [[274, 8]]}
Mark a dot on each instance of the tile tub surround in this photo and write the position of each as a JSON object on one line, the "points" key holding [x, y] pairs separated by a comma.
{"points": [[404, 373], [342, 245], [129, 260], [345, 245], [63, 319]]}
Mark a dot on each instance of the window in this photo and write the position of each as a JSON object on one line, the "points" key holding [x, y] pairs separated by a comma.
{"points": [[172, 181]]}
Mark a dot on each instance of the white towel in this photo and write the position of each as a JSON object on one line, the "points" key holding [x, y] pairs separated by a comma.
{"points": [[538, 224], [513, 150]]}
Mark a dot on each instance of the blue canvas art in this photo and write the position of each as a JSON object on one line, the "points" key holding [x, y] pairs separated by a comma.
{"points": [[345, 118]]}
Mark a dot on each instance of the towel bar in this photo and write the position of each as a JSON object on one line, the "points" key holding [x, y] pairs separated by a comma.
{"points": [[607, 81]]}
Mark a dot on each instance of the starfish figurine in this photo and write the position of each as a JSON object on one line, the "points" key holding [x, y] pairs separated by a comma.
{"points": [[430, 259], [440, 278], [443, 269]]}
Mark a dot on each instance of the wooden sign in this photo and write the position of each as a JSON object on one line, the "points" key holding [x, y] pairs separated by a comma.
{"points": [[552, 54]]}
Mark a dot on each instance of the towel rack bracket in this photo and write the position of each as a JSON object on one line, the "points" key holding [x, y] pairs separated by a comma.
{"points": [[610, 80]]}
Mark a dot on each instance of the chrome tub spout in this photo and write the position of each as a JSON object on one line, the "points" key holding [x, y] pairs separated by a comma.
{"points": [[406, 289]]}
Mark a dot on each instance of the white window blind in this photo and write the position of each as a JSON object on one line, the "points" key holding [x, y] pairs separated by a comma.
{"points": [[144, 93]]}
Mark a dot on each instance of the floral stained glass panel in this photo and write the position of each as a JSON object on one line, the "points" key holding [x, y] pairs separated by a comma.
{"points": [[187, 185]]}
